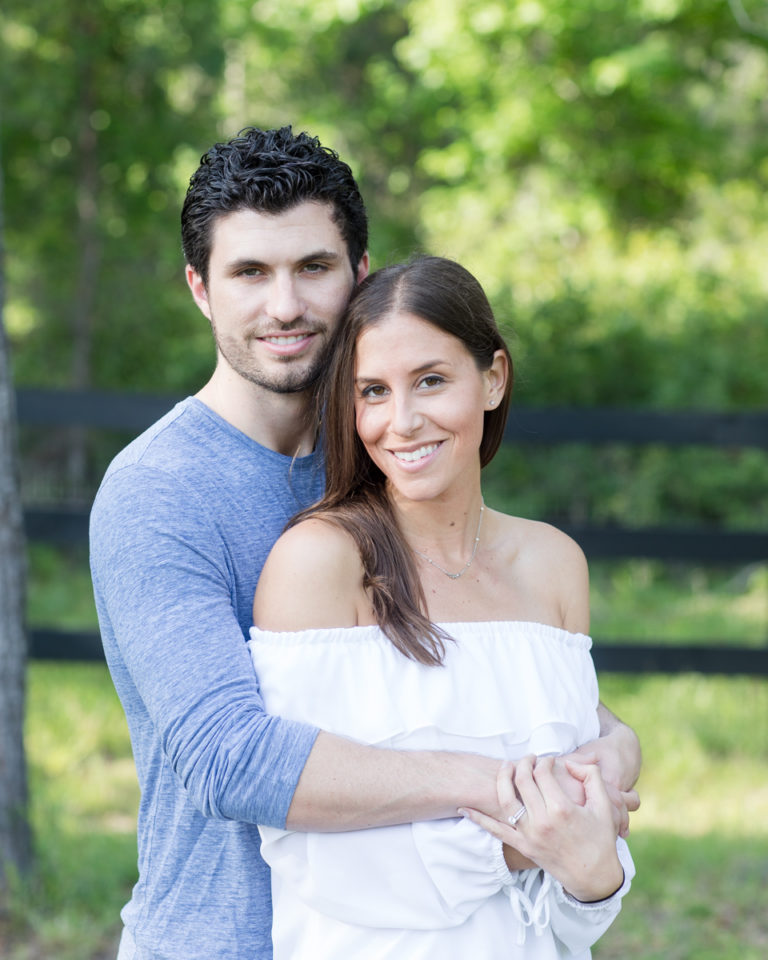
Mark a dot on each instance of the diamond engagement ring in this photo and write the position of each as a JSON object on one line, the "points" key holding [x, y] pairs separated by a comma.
{"points": [[513, 819]]}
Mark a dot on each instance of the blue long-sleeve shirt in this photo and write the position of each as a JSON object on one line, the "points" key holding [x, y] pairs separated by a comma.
{"points": [[180, 530]]}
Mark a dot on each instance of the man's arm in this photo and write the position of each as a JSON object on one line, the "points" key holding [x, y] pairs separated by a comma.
{"points": [[349, 786]]}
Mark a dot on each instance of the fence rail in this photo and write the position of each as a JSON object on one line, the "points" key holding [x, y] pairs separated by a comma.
{"points": [[134, 412]]}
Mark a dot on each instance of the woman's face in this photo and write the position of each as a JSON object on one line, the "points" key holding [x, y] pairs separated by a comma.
{"points": [[419, 404]]}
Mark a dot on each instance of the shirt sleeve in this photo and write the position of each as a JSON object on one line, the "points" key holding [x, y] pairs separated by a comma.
{"points": [[419, 876], [162, 581], [432, 875]]}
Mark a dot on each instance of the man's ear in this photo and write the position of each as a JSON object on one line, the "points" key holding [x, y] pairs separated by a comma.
{"points": [[363, 267], [199, 291]]}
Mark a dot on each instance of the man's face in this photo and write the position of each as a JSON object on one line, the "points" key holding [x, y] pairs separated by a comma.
{"points": [[277, 286]]}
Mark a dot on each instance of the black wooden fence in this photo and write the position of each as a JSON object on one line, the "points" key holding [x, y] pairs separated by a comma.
{"points": [[133, 412]]}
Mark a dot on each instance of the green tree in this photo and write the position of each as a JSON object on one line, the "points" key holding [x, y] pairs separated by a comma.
{"points": [[599, 166], [110, 104]]}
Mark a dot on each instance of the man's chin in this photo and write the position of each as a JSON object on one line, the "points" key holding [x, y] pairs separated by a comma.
{"points": [[286, 386]]}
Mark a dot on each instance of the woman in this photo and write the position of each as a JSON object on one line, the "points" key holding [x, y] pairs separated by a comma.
{"points": [[402, 611]]}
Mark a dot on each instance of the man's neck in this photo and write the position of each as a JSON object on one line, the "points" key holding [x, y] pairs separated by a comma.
{"points": [[280, 421]]}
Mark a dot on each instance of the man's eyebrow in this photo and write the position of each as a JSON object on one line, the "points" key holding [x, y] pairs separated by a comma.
{"points": [[244, 263], [321, 255]]}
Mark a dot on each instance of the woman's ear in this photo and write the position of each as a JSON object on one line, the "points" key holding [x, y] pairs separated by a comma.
{"points": [[496, 379]]}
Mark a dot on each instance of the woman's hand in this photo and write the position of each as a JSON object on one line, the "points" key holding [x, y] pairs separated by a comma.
{"points": [[574, 842]]}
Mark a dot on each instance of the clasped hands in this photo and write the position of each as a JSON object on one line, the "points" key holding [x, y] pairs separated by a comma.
{"points": [[569, 825]]}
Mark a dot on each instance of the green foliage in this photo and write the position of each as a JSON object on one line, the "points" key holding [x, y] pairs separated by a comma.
{"points": [[105, 105], [694, 897], [601, 168], [642, 600], [59, 590], [632, 486]]}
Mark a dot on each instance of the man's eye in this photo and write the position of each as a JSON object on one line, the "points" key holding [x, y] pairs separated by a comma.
{"points": [[315, 267]]}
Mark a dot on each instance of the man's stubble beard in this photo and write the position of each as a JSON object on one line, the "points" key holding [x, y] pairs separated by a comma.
{"points": [[294, 381]]}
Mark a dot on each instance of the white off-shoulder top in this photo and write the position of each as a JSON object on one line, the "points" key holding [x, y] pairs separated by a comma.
{"points": [[438, 889]]}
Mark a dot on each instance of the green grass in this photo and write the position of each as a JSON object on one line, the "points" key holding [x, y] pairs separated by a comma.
{"points": [[694, 898], [644, 600], [84, 798], [700, 839]]}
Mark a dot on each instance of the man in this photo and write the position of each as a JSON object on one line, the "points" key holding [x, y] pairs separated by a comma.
{"points": [[275, 236]]}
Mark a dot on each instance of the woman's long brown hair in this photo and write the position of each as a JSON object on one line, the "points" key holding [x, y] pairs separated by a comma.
{"points": [[442, 293]]}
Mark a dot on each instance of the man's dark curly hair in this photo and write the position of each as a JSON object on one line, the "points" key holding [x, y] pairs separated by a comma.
{"points": [[269, 171]]}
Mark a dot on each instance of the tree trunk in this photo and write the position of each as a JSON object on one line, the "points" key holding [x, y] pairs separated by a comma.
{"points": [[89, 254], [15, 845]]}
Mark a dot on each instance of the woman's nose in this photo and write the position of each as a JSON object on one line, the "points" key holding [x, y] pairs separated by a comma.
{"points": [[406, 418]]}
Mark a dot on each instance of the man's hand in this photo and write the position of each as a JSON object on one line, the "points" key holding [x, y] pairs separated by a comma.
{"points": [[617, 753], [622, 802]]}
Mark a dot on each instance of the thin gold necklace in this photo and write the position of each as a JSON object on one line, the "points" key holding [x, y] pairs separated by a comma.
{"points": [[455, 576]]}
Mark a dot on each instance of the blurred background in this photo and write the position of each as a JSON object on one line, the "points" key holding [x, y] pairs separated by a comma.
{"points": [[601, 167]]}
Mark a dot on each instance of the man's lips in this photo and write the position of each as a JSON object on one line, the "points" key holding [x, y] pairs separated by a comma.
{"points": [[287, 344]]}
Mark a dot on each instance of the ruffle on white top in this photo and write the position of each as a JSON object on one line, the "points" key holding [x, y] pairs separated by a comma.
{"points": [[518, 681]]}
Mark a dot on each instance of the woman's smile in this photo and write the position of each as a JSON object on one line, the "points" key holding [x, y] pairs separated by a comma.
{"points": [[420, 453]]}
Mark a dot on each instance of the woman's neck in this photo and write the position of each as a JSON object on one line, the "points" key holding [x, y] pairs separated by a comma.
{"points": [[445, 532]]}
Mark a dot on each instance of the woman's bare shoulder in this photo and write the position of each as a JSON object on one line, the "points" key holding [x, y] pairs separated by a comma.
{"points": [[549, 559], [312, 579]]}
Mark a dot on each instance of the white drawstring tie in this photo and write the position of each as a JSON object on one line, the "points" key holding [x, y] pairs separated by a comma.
{"points": [[531, 912]]}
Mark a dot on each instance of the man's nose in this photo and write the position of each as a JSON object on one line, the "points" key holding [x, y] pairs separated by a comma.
{"points": [[284, 303]]}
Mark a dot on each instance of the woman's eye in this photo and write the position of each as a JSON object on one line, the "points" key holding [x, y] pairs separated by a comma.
{"points": [[433, 380], [374, 390]]}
